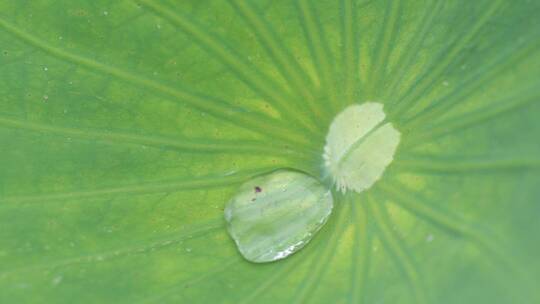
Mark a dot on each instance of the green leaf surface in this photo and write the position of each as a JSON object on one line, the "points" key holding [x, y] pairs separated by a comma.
{"points": [[126, 126]]}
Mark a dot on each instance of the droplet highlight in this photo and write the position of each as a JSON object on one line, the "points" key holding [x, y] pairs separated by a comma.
{"points": [[274, 215]]}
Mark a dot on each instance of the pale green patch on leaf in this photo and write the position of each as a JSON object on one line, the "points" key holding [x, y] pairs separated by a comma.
{"points": [[359, 146]]}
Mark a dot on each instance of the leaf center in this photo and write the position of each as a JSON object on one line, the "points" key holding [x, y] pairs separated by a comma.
{"points": [[360, 144]]}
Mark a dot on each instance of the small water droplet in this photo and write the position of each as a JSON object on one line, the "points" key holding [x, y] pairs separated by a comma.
{"points": [[280, 224], [430, 238]]}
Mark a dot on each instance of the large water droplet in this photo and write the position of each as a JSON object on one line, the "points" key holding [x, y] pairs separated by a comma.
{"points": [[359, 146], [274, 215]]}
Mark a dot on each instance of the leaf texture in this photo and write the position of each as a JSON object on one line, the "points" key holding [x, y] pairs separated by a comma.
{"points": [[126, 126]]}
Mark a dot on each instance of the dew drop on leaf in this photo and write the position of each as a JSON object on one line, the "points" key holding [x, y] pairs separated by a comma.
{"points": [[272, 224]]}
